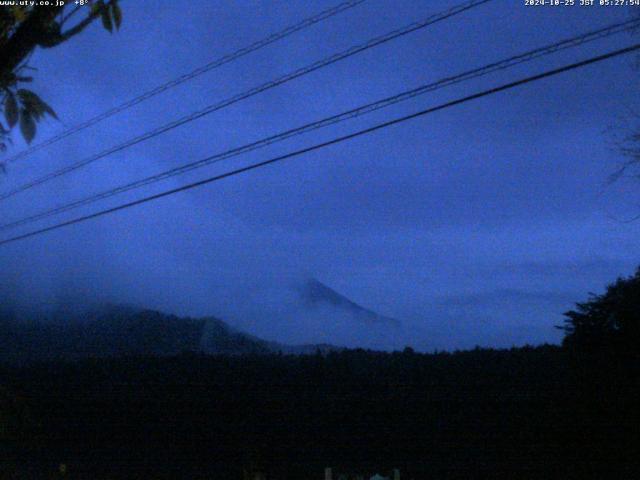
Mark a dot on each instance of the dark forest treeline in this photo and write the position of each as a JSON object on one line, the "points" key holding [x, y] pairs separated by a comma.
{"points": [[543, 412], [570, 412]]}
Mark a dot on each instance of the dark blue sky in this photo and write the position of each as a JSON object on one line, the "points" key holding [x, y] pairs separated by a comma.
{"points": [[480, 224]]}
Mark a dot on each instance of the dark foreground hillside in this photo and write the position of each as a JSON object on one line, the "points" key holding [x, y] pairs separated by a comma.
{"points": [[121, 330], [522, 413]]}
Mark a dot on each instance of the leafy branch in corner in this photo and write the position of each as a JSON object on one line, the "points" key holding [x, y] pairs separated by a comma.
{"points": [[22, 30]]}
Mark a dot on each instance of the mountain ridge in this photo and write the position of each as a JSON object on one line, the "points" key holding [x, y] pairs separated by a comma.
{"points": [[315, 294], [121, 330]]}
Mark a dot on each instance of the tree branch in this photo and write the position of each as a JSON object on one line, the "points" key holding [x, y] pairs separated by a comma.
{"points": [[66, 17], [27, 36], [79, 27]]}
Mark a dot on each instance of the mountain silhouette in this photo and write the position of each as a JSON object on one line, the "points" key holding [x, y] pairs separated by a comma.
{"points": [[117, 330], [316, 294]]}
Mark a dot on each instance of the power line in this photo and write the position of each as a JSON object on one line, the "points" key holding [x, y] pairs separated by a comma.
{"points": [[334, 141], [356, 112], [254, 91], [307, 22]]}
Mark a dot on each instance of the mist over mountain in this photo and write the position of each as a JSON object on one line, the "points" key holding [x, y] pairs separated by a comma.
{"points": [[316, 294], [70, 333], [304, 310], [300, 318]]}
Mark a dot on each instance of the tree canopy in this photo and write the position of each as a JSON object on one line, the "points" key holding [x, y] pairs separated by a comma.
{"points": [[23, 28], [607, 321]]}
